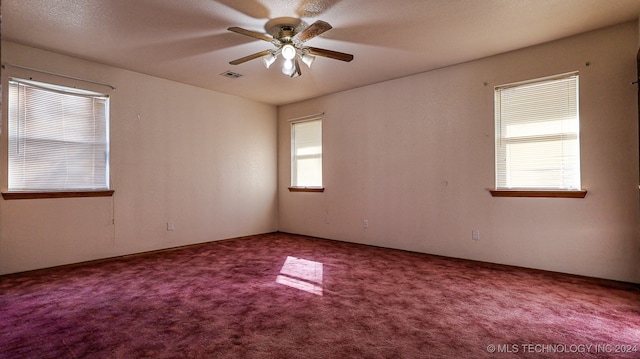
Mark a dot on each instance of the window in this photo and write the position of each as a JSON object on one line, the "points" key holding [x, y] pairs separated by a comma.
{"points": [[306, 154], [537, 135], [58, 138]]}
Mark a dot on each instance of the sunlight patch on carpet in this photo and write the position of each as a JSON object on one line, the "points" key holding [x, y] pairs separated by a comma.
{"points": [[301, 274]]}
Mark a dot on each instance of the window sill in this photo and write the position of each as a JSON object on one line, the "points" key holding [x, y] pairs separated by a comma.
{"points": [[306, 189], [538, 193], [36, 195]]}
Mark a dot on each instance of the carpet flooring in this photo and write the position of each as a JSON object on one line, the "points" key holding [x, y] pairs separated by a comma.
{"points": [[288, 296]]}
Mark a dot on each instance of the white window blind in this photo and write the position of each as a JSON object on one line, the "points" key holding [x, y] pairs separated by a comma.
{"points": [[306, 153], [58, 138], [537, 134]]}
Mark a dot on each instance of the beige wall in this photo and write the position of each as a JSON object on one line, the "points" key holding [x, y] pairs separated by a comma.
{"points": [[200, 159], [415, 157]]}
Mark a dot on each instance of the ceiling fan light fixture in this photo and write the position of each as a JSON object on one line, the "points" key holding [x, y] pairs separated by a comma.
{"points": [[268, 59], [289, 41], [288, 68], [288, 51], [307, 59]]}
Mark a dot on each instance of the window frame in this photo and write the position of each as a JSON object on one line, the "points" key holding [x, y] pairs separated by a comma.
{"points": [[36, 193], [550, 192], [293, 122]]}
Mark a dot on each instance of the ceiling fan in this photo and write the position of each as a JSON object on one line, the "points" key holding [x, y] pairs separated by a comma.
{"points": [[289, 37]]}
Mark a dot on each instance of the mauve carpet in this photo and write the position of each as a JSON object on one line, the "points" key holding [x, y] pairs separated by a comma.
{"points": [[287, 296]]}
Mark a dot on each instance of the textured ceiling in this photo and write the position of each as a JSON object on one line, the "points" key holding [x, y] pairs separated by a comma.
{"points": [[188, 41]]}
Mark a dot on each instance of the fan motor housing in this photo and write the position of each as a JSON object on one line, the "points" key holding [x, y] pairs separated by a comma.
{"points": [[286, 33], [283, 28]]}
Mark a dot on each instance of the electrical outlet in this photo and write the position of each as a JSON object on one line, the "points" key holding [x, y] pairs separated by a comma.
{"points": [[326, 220], [169, 226], [475, 234], [365, 223]]}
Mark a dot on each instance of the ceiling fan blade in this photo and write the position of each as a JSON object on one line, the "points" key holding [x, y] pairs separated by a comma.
{"points": [[253, 34], [313, 30], [330, 54], [250, 57]]}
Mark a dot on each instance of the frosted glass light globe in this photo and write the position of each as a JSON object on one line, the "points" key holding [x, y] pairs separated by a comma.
{"points": [[288, 52]]}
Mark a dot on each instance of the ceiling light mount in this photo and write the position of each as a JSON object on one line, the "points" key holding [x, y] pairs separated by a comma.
{"points": [[284, 25]]}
